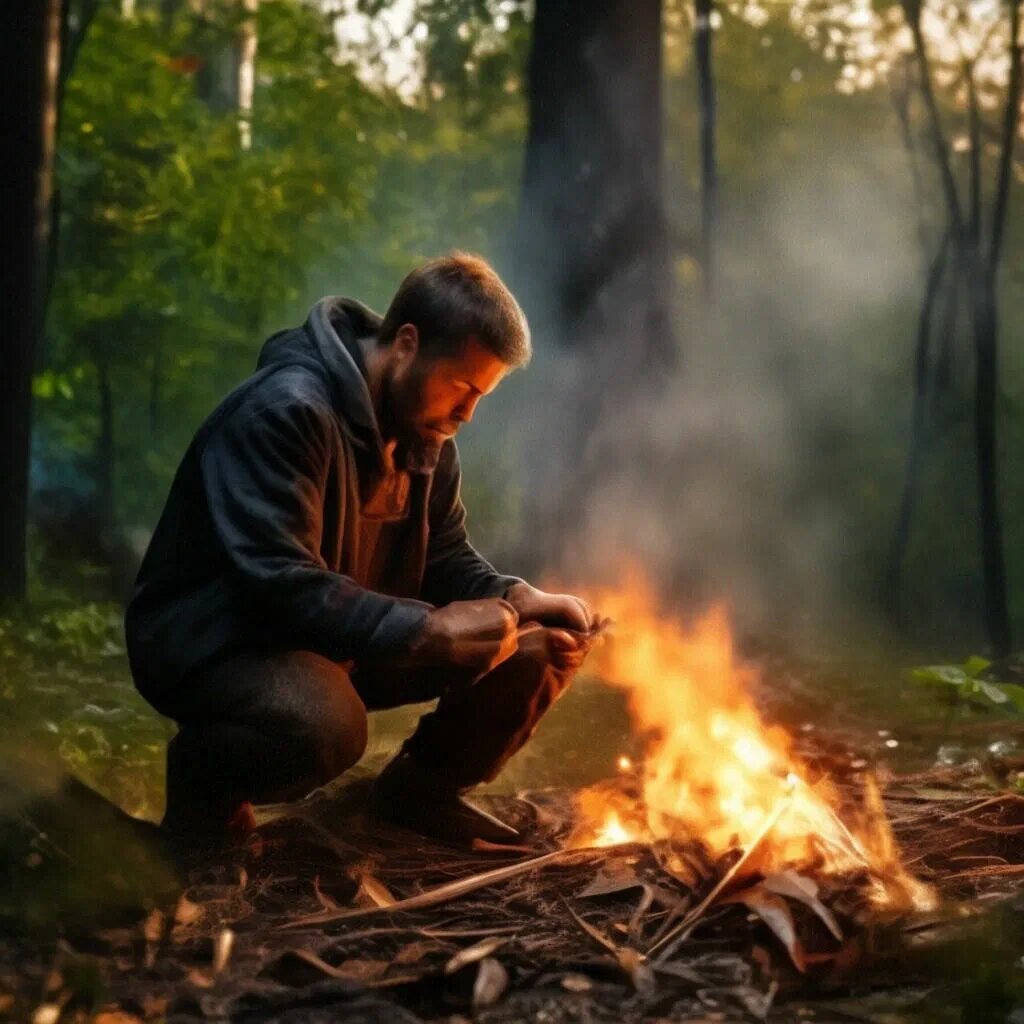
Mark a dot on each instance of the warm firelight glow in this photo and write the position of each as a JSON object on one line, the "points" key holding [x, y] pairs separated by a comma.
{"points": [[712, 768]]}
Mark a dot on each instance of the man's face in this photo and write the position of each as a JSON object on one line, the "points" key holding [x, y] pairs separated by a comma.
{"points": [[432, 396]]}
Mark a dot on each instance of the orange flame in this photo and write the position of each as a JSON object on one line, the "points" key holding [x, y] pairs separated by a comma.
{"points": [[713, 769]]}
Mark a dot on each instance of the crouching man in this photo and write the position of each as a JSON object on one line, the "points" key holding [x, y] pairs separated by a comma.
{"points": [[312, 564]]}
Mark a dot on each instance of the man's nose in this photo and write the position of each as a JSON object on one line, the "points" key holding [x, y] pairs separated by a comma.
{"points": [[465, 409]]}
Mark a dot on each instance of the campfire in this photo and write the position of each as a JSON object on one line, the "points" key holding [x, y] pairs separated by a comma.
{"points": [[716, 866], [713, 771]]}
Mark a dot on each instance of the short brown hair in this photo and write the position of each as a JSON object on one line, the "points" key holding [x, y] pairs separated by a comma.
{"points": [[453, 298]]}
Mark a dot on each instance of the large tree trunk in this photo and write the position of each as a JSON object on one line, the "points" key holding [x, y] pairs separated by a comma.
{"points": [[592, 255], [30, 36], [592, 216]]}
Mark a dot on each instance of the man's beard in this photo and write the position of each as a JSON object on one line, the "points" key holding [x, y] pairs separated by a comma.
{"points": [[419, 455]]}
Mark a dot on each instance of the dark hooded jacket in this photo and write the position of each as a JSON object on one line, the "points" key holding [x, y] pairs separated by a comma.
{"points": [[286, 528]]}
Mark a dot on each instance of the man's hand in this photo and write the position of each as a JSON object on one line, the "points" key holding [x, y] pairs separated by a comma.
{"points": [[475, 635], [565, 610]]}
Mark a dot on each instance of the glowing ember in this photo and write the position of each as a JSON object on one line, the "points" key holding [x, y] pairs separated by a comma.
{"points": [[712, 769]]}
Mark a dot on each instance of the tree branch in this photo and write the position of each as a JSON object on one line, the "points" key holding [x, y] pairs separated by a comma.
{"points": [[912, 10], [1011, 121]]}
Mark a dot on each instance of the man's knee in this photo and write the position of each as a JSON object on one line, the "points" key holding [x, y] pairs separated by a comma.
{"points": [[320, 712]]}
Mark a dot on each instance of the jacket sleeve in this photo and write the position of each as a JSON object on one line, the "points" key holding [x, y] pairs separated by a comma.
{"points": [[455, 570], [264, 471]]}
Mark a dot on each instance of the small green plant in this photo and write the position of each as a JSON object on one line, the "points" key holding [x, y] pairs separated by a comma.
{"points": [[968, 682]]}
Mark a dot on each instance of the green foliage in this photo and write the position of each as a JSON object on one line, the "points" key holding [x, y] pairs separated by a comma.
{"points": [[180, 250], [88, 633], [967, 682]]}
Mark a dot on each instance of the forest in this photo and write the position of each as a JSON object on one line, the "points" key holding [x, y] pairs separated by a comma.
{"points": [[772, 257]]}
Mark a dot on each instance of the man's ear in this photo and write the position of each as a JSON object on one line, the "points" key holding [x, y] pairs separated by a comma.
{"points": [[407, 343]]}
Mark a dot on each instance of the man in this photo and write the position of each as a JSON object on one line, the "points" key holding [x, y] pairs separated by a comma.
{"points": [[312, 563]]}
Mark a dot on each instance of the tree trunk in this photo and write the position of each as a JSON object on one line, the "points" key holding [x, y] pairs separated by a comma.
{"points": [[985, 280], [247, 41], [30, 35], [893, 579], [592, 219], [997, 618], [702, 39], [592, 244]]}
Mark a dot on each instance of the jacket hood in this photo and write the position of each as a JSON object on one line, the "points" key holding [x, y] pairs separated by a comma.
{"points": [[328, 344]]}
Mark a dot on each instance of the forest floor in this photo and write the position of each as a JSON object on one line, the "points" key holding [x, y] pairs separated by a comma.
{"points": [[103, 921]]}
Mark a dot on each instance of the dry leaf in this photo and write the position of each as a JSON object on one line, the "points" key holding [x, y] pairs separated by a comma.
{"points": [[46, 1013], [491, 982], [775, 913], [115, 1017], [414, 952], [373, 893], [805, 890], [471, 954], [577, 983], [187, 912], [608, 881], [364, 971], [199, 978], [222, 947]]}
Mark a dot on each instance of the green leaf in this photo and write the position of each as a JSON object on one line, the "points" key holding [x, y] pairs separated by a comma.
{"points": [[975, 665], [950, 675]]}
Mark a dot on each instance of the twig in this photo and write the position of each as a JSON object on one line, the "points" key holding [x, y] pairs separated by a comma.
{"points": [[678, 935], [449, 891], [595, 933]]}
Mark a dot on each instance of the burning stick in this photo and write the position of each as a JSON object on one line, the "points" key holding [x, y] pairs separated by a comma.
{"points": [[677, 936]]}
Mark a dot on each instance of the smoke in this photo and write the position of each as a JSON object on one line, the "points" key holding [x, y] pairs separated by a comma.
{"points": [[764, 470]]}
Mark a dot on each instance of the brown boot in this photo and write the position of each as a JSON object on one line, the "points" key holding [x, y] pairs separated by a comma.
{"points": [[404, 795]]}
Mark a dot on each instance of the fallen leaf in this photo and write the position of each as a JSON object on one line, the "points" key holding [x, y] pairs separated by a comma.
{"points": [[372, 892], [775, 913], [187, 912], [46, 1013], [199, 978], [414, 952], [222, 948], [361, 970], [805, 890], [609, 881], [491, 982], [471, 954], [115, 1017], [577, 983]]}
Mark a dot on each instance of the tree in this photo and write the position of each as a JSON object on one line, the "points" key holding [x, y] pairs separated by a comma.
{"points": [[947, 63], [31, 34], [591, 247], [592, 216]]}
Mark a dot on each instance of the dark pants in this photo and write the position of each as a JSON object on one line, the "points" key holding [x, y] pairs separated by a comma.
{"points": [[270, 727]]}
